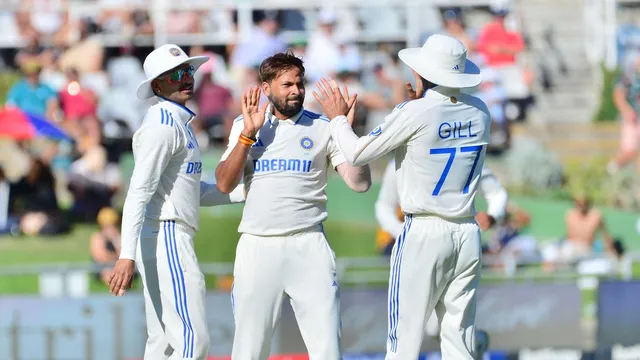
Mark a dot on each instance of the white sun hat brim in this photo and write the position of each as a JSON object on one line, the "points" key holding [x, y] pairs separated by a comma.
{"points": [[432, 70]]}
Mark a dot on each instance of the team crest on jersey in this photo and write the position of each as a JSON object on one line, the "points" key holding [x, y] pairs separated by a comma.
{"points": [[306, 143], [375, 132], [174, 51]]}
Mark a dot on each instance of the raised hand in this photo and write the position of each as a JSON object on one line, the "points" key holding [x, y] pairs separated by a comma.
{"points": [[252, 116], [351, 116], [419, 91], [332, 100]]}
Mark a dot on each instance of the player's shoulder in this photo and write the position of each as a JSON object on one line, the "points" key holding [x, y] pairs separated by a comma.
{"points": [[159, 120], [475, 102], [238, 119], [314, 118]]}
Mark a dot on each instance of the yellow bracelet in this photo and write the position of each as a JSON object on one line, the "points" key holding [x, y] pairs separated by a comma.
{"points": [[246, 141]]}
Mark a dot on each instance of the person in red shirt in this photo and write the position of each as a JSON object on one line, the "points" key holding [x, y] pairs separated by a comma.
{"points": [[497, 44], [79, 105]]}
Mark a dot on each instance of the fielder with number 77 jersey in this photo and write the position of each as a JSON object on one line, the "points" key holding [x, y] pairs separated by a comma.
{"points": [[440, 140]]}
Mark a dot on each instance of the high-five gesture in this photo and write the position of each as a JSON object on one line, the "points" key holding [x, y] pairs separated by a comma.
{"points": [[252, 116], [419, 91], [333, 102]]}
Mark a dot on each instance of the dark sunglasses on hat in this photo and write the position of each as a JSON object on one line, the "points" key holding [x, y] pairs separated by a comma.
{"points": [[178, 75]]}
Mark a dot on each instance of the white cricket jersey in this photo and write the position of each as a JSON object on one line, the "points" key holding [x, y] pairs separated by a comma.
{"points": [[285, 174], [441, 142], [388, 200], [165, 184]]}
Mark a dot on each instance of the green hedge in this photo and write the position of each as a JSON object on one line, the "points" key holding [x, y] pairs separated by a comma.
{"points": [[607, 110]]}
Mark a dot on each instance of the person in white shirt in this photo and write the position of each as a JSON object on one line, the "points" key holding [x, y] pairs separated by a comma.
{"points": [[440, 141], [283, 153], [161, 212]]}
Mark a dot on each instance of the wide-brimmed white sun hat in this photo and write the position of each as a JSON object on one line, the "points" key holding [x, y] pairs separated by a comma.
{"points": [[442, 60], [161, 60]]}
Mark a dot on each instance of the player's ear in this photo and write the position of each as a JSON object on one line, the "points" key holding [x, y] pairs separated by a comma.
{"points": [[266, 88]]}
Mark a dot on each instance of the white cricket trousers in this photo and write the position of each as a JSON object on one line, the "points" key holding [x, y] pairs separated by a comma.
{"points": [[174, 291], [435, 264], [266, 268]]}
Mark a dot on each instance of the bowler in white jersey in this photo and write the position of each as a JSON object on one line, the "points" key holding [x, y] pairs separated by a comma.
{"points": [[284, 154], [440, 140], [161, 212]]}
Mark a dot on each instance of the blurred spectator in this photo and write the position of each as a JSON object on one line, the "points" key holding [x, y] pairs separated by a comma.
{"points": [[87, 52], [261, 43], [183, 22], [215, 104], [5, 220], [498, 45], [322, 56], [583, 223], [105, 243], [626, 97], [79, 105], [31, 95], [31, 52], [92, 180], [454, 27], [494, 95], [509, 239], [33, 200]]}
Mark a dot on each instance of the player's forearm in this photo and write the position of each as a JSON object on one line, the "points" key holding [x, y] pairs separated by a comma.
{"points": [[497, 204], [348, 142], [387, 219], [132, 219], [229, 171], [211, 196], [357, 178]]}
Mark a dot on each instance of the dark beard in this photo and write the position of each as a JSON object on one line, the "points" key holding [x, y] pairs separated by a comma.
{"points": [[284, 108]]}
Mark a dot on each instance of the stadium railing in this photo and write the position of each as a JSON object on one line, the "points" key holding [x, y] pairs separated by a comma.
{"points": [[160, 9]]}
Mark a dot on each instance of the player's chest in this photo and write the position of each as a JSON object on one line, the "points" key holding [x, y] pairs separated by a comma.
{"points": [[190, 158], [296, 149]]}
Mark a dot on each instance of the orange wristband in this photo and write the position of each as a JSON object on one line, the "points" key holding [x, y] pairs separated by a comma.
{"points": [[246, 140]]}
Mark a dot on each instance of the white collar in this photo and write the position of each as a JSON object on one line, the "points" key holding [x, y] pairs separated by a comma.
{"points": [[292, 120], [183, 112]]}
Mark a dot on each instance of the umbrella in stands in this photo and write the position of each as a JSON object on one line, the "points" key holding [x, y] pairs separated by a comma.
{"points": [[21, 125]]}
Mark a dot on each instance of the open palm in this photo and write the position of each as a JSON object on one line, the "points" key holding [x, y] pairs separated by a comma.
{"points": [[252, 114]]}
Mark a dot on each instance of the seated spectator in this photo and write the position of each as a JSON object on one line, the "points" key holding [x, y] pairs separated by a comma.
{"points": [[79, 105], [6, 221], [105, 243], [583, 224], [454, 27], [31, 95], [92, 180], [34, 202], [509, 239]]}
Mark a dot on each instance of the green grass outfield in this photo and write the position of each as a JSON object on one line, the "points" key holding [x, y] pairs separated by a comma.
{"points": [[350, 230]]}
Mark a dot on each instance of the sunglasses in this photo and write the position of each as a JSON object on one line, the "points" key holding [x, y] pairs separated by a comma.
{"points": [[178, 75]]}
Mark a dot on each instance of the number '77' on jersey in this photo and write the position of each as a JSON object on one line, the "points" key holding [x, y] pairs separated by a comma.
{"points": [[451, 151]]}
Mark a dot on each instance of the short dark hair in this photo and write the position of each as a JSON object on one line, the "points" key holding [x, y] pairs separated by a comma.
{"points": [[276, 64]]}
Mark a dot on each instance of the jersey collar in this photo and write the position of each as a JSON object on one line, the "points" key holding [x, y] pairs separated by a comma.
{"points": [[440, 92], [186, 115], [292, 120]]}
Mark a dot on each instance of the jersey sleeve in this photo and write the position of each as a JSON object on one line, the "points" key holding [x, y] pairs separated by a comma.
{"points": [[395, 131], [236, 130], [494, 193], [334, 154], [211, 196], [153, 147], [388, 202]]}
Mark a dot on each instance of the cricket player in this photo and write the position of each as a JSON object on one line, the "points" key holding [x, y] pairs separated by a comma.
{"points": [[160, 216], [283, 152], [440, 139]]}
